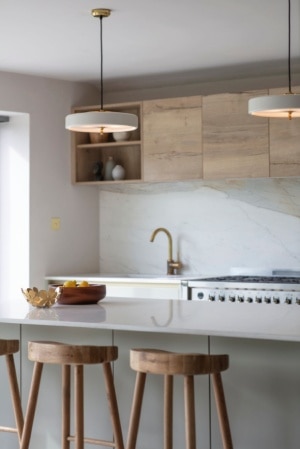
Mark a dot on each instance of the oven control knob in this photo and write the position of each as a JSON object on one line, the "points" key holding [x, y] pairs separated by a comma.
{"points": [[200, 295], [267, 299], [258, 299], [288, 300], [249, 299], [232, 298], [276, 300], [211, 297], [241, 298], [221, 298]]}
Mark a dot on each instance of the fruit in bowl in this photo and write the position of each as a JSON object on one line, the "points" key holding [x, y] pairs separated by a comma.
{"points": [[73, 293]]}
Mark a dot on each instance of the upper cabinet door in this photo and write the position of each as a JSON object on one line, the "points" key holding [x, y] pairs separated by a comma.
{"points": [[284, 143], [173, 139], [235, 144]]}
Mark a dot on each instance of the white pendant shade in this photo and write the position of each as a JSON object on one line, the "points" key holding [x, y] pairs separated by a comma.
{"points": [[281, 106], [101, 121]]}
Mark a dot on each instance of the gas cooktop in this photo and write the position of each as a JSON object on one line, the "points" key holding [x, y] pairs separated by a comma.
{"points": [[255, 279]]}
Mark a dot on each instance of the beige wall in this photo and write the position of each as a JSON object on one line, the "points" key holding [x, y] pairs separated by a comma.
{"points": [[75, 246]]}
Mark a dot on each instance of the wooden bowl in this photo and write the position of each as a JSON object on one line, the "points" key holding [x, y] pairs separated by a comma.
{"points": [[99, 138], [80, 295]]}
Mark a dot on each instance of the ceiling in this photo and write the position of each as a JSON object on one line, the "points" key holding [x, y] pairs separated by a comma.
{"points": [[148, 43]]}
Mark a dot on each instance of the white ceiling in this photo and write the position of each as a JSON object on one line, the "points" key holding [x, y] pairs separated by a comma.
{"points": [[148, 43]]}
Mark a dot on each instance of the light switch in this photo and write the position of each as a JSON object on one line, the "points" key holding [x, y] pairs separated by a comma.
{"points": [[55, 223]]}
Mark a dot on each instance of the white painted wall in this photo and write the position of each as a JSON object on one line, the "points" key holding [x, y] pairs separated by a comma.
{"points": [[216, 226], [75, 247], [14, 205]]}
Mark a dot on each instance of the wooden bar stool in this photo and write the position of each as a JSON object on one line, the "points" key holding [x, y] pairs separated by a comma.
{"points": [[8, 348], [169, 364], [76, 356]]}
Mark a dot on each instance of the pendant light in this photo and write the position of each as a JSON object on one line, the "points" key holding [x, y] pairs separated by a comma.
{"points": [[101, 121], [282, 106]]}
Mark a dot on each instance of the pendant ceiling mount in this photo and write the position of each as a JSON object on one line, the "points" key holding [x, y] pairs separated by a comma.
{"points": [[101, 12], [281, 106], [101, 121]]}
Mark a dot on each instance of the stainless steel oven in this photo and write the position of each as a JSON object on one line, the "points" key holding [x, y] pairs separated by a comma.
{"points": [[254, 289]]}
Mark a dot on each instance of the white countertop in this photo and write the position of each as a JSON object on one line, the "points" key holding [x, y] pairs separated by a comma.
{"points": [[260, 321], [126, 278]]}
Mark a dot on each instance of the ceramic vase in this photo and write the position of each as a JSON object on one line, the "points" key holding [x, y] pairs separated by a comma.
{"points": [[118, 173], [121, 136], [109, 166]]}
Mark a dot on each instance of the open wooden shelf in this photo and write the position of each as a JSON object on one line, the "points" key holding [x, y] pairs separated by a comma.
{"points": [[85, 155]]}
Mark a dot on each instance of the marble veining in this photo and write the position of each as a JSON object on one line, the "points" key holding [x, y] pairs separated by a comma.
{"points": [[216, 225]]}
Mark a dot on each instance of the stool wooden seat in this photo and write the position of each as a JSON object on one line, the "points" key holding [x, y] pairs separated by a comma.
{"points": [[76, 356], [168, 364], [8, 348]]}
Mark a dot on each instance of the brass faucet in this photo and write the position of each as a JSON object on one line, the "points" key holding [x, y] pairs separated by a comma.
{"points": [[172, 266]]}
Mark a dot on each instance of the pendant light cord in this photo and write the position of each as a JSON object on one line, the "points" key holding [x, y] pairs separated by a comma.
{"points": [[101, 65], [289, 44]]}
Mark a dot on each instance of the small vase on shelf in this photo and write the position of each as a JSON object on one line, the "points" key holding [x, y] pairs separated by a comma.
{"points": [[109, 166], [118, 173]]}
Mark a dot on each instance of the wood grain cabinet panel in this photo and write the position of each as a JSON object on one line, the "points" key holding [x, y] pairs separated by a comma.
{"points": [[284, 143], [235, 144], [173, 139]]}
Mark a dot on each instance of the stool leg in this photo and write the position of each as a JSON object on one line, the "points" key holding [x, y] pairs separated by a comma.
{"points": [[222, 411], [79, 425], [168, 412], [113, 405], [189, 407], [31, 407], [136, 410], [15, 393], [66, 397]]}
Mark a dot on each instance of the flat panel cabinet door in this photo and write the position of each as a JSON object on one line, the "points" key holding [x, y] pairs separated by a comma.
{"points": [[8, 440], [235, 144], [173, 139], [284, 143], [262, 391]]}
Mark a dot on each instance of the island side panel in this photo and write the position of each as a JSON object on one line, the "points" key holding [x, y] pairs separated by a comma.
{"points": [[262, 388], [8, 440]]}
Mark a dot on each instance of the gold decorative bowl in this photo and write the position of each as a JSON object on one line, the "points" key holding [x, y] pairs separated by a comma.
{"points": [[80, 295], [40, 298]]}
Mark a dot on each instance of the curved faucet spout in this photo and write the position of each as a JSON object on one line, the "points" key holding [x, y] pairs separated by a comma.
{"points": [[154, 234], [171, 265]]}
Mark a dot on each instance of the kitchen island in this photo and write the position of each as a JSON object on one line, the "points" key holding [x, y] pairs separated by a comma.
{"points": [[251, 321], [262, 385]]}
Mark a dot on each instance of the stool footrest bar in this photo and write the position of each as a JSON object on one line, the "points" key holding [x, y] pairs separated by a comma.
{"points": [[94, 441]]}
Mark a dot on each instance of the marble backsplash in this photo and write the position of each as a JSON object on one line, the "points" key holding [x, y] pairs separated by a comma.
{"points": [[216, 226]]}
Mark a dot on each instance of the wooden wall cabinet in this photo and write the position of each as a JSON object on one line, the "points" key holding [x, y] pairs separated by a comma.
{"points": [[235, 144], [85, 154], [190, 138], [173, 139], [284, 143]]}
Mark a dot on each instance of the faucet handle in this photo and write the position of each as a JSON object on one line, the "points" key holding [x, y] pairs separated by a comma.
{"points": [[172, 266]]}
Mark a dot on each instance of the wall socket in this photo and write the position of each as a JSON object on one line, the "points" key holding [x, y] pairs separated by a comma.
{"points": [[55, 223]]}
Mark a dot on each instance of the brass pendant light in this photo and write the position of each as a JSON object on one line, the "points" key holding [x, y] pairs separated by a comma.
{"points": [[282, 106], [101, 121]]}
